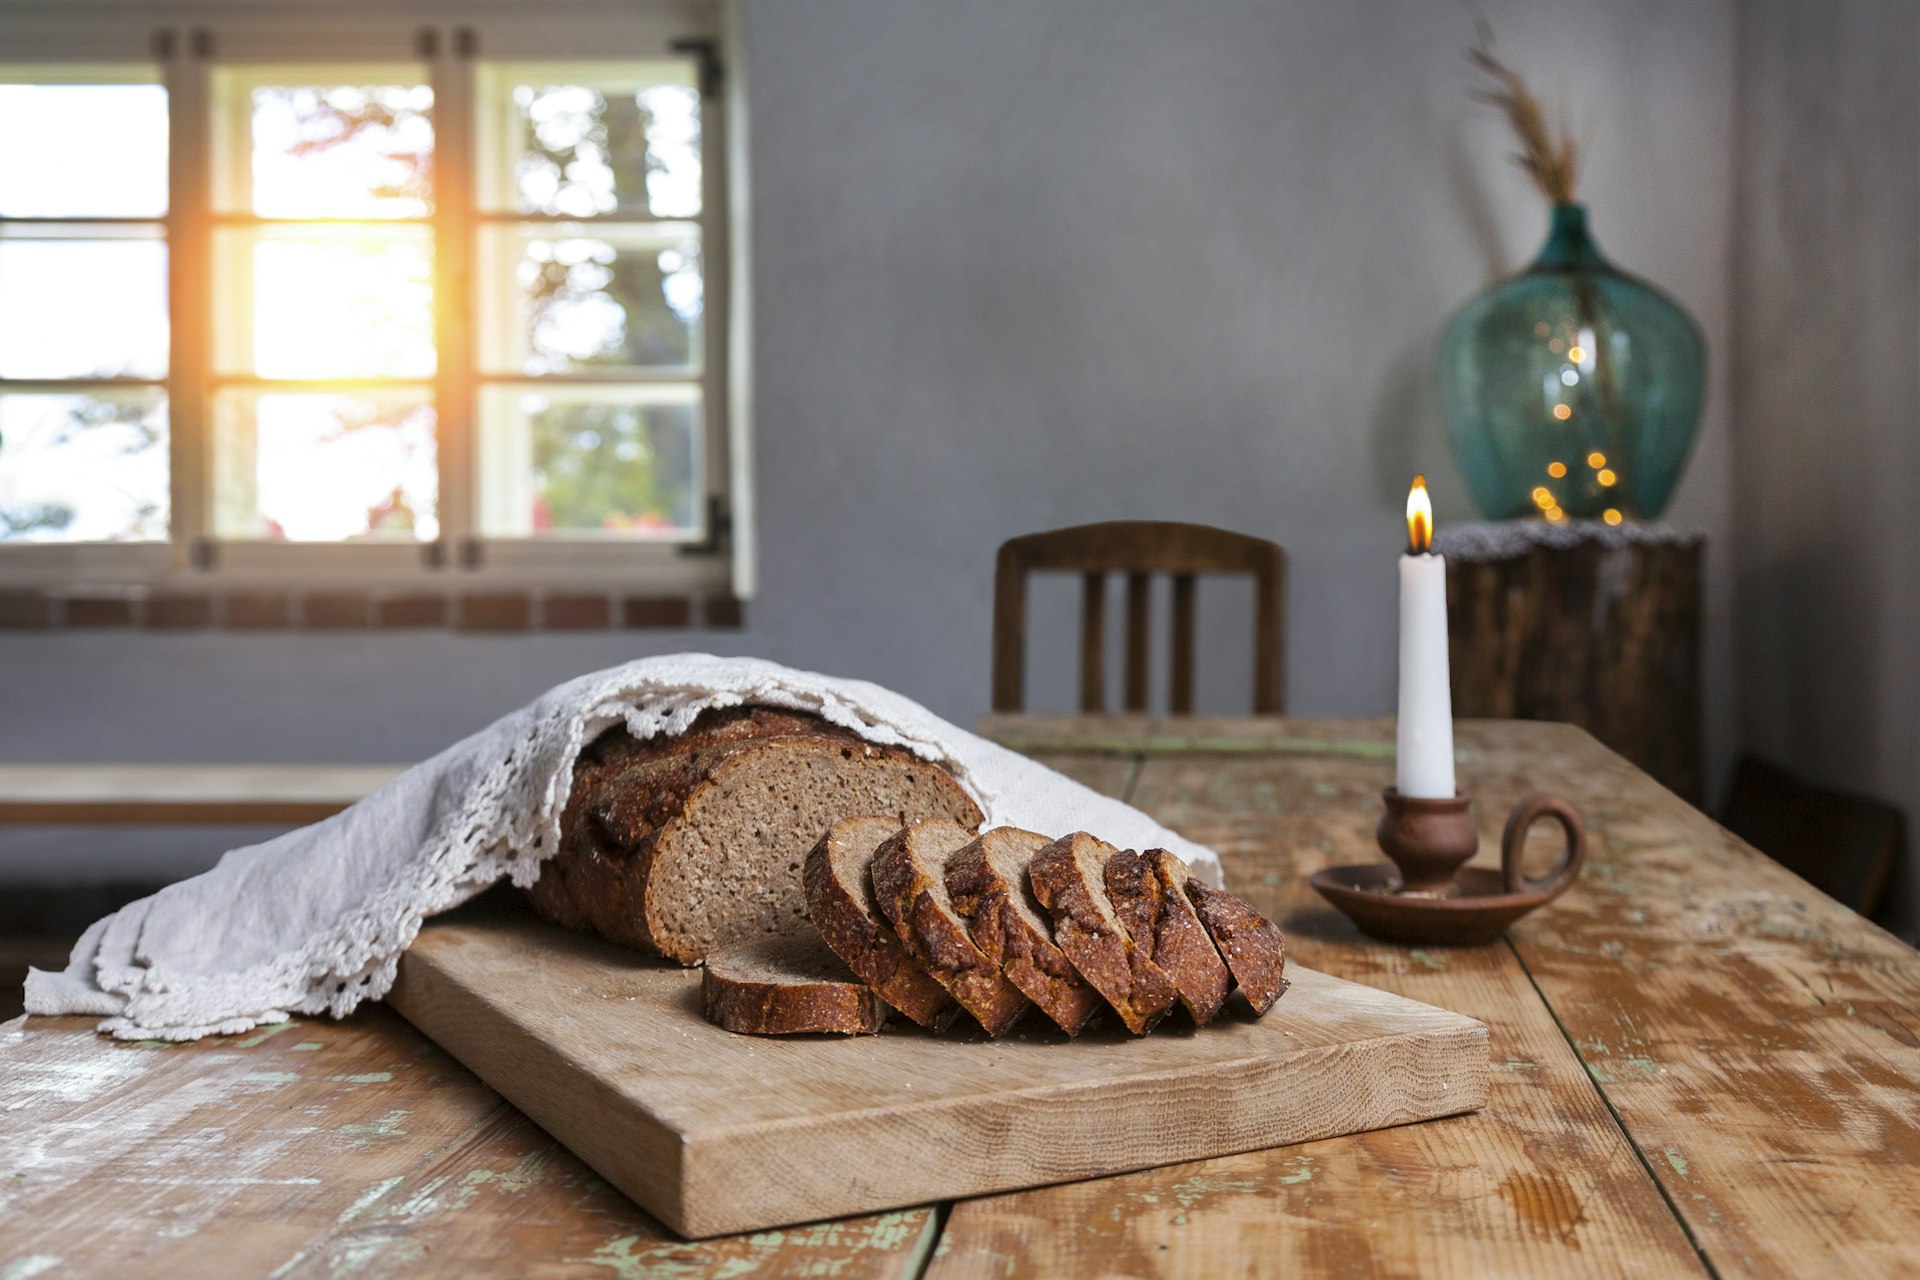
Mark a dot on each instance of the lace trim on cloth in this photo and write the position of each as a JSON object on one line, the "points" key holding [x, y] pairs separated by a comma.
{"points": [[181, 964], [1505, 539]]}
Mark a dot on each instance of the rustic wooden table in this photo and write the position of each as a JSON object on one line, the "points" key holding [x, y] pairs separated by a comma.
{"points": [[1702, 1067]]}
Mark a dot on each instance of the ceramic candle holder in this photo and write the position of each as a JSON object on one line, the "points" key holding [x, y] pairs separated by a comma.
{"points": [[1429, 840], [1428, 894]]}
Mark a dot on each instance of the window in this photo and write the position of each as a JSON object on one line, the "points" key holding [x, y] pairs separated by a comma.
{"points": [[83, 307], [413, 304]]}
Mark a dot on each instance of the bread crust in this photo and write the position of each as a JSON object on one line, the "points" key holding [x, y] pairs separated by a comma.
{"points": [[983, 895], [1254, 949], [629, 800], [848, 918], [758, 988], [1068, 879], [904, 880], [1147, 894]]}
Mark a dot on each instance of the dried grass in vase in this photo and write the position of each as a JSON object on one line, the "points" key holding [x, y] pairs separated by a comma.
{"points": [[1548, 156]]}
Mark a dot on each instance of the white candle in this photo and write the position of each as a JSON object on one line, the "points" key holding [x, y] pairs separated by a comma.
{"points": [[1425, 731]]}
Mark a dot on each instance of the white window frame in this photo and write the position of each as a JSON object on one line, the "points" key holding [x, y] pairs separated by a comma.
{"points": [[451, 41]]}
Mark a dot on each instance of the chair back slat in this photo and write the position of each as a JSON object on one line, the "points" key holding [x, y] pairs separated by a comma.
{"points": [[1180, 660], [1093, 643], [1139, 601], [1139, 549], [1009, 629], [1269, 647]]}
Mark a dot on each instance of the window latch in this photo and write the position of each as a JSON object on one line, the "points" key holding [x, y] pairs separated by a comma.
{"points": [[719, 539], [707, 53]]}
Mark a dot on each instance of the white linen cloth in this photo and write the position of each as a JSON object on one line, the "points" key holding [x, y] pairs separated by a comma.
{"points": [[314, 921]]}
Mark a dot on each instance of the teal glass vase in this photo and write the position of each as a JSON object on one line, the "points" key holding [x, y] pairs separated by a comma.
{"points": [[1572, 389]]}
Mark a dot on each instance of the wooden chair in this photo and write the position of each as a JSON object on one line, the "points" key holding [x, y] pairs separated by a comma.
{"points": [[1844, 845], [1139, 549]]}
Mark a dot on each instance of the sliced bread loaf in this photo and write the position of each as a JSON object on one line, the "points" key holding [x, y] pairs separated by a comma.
{"points": [[1068, 877], [909, 880], [786, 986], [987, 883], [1150, 899], [843, 908], [1251, 944], [685, 844]]}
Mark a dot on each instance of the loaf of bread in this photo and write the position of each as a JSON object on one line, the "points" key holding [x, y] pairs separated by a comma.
{"points": [[682, 845], [787, 986], [1069, 879], [909, 881], [842, 906], [1150, 899], [987, 883]]}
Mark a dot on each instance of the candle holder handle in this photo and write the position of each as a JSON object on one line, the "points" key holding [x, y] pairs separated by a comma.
{"points": [[1513, 845]]}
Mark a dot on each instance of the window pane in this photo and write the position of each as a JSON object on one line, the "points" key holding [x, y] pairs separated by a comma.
{"points": [[83, 468], [83, 151], [590, 141], [83, 308], [329, 150], [617, 298], [336, 305], [325, 468], [623, 461]]}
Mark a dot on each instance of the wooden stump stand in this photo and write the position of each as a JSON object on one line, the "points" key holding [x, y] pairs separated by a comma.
{"points": [[1581, 622]]}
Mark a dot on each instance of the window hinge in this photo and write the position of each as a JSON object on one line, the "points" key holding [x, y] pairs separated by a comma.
{"points": [[163, 44], [472, 552], [719, 539], [200, 42], [204, 553], [465, 43], [426, 43], [708, 54]]}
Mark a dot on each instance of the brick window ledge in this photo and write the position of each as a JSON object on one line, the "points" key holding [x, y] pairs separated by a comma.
{"points": [[498, 611]]}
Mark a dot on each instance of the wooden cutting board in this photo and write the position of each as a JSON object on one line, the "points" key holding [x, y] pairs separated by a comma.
{"points": [[715, 1133]]}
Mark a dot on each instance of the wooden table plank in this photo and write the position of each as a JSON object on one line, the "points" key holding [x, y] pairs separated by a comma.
{"points": [[1109, 775], [352, 1148], [1760, 1041], [144, 1156], [1540, 1183], [509, 1200], [184, 794]]}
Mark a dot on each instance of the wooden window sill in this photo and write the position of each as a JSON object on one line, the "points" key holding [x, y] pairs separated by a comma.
{"points": [[476, 608]]}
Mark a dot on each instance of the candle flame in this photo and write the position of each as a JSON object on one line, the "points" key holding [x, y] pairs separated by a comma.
{"points": [[1419, 518]]}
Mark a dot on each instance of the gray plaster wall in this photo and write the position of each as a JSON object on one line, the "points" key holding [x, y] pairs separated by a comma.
{"points": [[1027, 263], [1826, 392]]}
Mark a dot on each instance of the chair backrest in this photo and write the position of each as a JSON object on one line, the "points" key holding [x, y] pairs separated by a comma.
{"points": [[1844, 845], [1139, 549]]}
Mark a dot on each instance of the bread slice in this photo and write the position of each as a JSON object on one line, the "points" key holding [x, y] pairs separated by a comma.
{"points": [[1252, 945], [909, 879], [786, 986], [1068, 877], [841, 903], [987, 882], [1149, 897], [686, 844]]}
